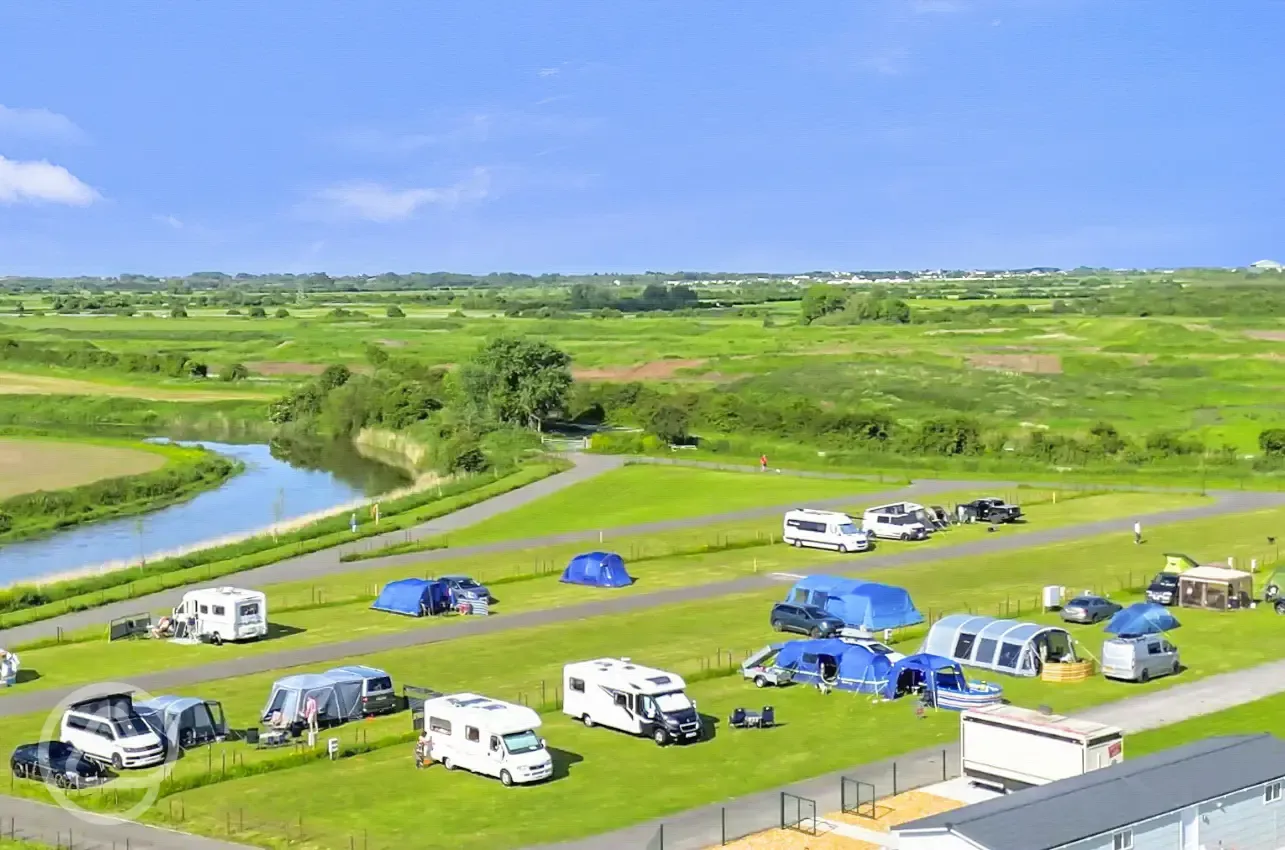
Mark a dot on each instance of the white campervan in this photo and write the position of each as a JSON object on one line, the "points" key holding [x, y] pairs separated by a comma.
{"points": [[217, 614], [824, 530], [619, 694], [899, 521], [109, 730], [487, 736]]}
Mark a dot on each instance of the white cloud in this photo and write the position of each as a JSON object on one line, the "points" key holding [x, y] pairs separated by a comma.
{"points": [[169, 221], [38, 124], [40, 181], [381, 203]]}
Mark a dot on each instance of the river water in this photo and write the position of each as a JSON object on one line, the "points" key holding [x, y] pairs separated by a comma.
{"points": [[271, 490]]}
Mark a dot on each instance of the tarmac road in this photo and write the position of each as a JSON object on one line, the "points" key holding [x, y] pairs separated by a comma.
{"points": [[19, 702]]}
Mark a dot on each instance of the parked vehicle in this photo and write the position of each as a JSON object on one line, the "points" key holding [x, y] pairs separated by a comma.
{"points": [[487, 736], [377, 694], [466, 589], [1272, 587], [1139, 658], [619, 694], [216, 614], [824, 530], [1163, 589], [109, 730], [805, 619], [1089, 609], [1010, 748], [990, 510], [900, 521], [56, 763]]}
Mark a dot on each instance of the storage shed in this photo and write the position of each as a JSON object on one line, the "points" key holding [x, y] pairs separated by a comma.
{"points": [[1005, 646], [1215, 588], [863, 604], [597, 569]]}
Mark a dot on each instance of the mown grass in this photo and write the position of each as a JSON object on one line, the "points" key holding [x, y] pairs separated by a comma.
{"points": [[337, 608], [30, 464], [381, 794], [1261, 715]]}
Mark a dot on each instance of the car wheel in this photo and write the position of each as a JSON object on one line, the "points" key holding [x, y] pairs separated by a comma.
{"points": [[661, 737], [505, 778], [760, 682], [905, 536], [60, 780], [448, 764], [1177, 668], [18, 769], [815, 633], [778, 626], [798, 544], [216, 639], [1271, 592], [1145, 677], [587, 721], [843, 548], [117, 762]]}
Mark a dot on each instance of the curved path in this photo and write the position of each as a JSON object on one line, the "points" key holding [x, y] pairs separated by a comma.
{"points": [[164, 680]]}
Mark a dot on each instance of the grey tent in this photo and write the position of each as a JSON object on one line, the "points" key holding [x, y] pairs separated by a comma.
{"points": [[184, 721], [338, 697]]}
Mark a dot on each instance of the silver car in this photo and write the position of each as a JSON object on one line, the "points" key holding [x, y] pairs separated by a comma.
{"points": [[1089, 609]]}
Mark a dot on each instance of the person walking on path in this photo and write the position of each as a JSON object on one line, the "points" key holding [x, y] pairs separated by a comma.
{"points": [[762, 463], [1137, 533]]}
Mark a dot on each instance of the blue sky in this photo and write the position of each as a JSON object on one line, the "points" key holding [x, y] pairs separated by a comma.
{"points": [[169, 137]]}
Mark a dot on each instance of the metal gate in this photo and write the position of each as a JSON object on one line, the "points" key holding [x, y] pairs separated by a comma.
{"points": [[857, 797], [798, 813]]}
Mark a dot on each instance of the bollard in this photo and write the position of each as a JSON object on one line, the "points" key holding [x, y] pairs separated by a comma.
{"points": [[943, 765], [894, 779]]}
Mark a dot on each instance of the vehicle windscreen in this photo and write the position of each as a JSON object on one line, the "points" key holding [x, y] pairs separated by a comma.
{"points": [[468, 583], [1166, 580], [816, 613], [676, 701], [249, 609], [521, 742], [130, 725], [848, 529]]}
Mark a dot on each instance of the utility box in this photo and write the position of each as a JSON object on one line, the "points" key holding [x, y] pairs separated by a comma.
{"points": [[1009, 748], [1053, 597]]}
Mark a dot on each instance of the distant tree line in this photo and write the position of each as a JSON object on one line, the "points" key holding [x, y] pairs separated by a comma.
{"points": [[173, 364]]}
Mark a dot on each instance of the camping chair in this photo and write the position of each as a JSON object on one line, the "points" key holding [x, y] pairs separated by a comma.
{"points": [[737, 719], [768, 717]]}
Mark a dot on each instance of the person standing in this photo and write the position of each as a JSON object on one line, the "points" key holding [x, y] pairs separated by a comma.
{"points": [[762, 463], [352, 522], [1137, 533]]}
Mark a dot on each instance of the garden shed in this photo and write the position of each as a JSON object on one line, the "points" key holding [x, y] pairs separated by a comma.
{"points": [[597, 569], [1005, 646], [862, 604], [1215, 588]]}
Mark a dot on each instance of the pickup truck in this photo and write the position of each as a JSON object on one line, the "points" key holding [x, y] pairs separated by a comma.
{"points": [[989, 510]]}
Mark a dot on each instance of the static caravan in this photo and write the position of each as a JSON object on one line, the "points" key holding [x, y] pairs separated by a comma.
{"points": [[899, 521], [217, 614], [824, 530], [618, 694], [487, 736], [1010, 748]]}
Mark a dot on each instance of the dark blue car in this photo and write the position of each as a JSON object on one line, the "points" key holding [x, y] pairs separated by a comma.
{"points": [[57, 763], [807, 619]]}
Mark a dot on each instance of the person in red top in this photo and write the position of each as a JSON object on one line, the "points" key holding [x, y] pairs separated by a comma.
{"points": [[763, 463]]}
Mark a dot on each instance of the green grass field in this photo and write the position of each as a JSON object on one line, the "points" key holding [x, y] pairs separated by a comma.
{"points": [[687, 638], [27, 465], [1263, 715]]}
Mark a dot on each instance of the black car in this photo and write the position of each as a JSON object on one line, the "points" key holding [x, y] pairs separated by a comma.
{"points": [[1163, 589], [57, 763], [807, 619], [989, 510]]}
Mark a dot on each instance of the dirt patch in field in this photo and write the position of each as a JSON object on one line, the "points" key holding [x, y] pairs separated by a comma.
{"points": [[967, 331], [13, 383], [1036, 364], [656, 370], [894, 811], [30, 465], [1268, 336], [788, 839]]}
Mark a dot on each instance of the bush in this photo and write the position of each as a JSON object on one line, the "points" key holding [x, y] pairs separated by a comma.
{"points": [[1272, 441], [394, 312], [258, 313], [178, 313], [669, 423], [282, 313], [234, 372]]}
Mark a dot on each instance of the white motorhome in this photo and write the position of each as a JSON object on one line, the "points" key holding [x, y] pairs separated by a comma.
{"points": [[899, 521], [1010, 748], [616, 693], [824, 530], [487, 736], [217, 614], [110, 731]]}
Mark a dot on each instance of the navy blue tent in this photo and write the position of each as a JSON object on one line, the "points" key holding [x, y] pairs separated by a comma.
{"points": [[1142, 618], [839, 664], [414, 597], [863, 604], [597, 569]]}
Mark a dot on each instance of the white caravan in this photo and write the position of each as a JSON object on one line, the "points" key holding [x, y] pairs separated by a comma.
{"points": [[619, 694], [487, 736], [899, 521], [824, 530], [217, 614], [110, 731], [1010, 748]]}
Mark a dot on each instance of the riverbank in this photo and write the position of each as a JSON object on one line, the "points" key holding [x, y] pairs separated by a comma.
{"points": [[155, 476]]}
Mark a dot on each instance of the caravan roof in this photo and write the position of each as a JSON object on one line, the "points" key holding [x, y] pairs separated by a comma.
{"points": [[502, 718], [1011, 715], [625, 674], [232, 593], [832, 516]]}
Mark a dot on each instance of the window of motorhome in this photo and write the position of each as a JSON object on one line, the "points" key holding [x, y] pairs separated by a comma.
{"points": [[847, 528], [495, 743], [205, 609], [576, 685], [622, 700], [806, 525], [78, 722], [521, 742], [471, 734], [437, 724], [676, 701], [885, 519], [219, 611], [249, 609]]}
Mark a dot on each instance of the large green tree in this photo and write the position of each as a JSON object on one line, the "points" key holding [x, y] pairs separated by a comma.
{"points": [[517, 380], [821, 299]]}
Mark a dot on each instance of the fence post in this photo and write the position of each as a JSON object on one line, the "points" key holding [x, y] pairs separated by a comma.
{"points": [[662, 837], [943, 765], [723, 826], [894, 779], [782, 810]]}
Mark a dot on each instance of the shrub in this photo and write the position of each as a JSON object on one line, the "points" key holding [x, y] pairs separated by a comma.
{"points": [[394, 312], [282, 313], [234, 372], [258, 313]]}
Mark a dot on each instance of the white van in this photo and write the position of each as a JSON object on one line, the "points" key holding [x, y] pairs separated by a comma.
{"points": [[899, 521], [217, 614], [109, 730], [824, 530], [619, 694], [487, 736], [1139, 659]]}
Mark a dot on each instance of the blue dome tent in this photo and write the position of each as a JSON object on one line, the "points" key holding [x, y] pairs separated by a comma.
{"points": [[1142, 618], [414, 597], [839, 664], [1005, 646], [863, 604], [942, 680], [597, 569]]}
